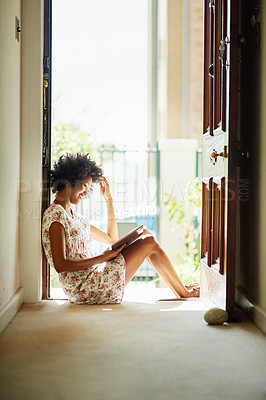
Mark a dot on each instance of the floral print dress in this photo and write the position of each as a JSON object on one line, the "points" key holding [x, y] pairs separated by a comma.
{"points": [[101, 284]]}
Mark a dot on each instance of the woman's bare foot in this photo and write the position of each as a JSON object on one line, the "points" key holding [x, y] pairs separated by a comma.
{"points": [[191, 286], [193, 290]]}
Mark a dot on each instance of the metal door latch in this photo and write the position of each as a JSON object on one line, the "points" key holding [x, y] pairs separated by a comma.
{"points": [[214, 155]]}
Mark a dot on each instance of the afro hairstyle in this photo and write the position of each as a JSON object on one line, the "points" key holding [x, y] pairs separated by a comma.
{"points": [[74, 169]]}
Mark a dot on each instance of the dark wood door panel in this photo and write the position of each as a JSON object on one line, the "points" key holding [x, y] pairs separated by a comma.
{"points": [[218, 252], [213, 223], [215, 65]]}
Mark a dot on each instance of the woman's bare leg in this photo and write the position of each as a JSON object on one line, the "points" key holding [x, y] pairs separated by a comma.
{"points": [[147, 247]]}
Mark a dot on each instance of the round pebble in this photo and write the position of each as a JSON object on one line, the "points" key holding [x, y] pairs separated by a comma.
{"points": [[216, 316]]}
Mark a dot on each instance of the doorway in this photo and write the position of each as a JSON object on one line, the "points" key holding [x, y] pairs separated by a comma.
{"points": [[118, 92]]}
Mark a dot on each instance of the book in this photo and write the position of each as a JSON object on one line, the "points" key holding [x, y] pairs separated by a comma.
{"points": [[129, 237]]}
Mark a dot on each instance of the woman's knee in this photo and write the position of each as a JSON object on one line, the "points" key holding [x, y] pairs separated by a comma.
{"points": [[150, 242], [136, 252], [142, 247]]}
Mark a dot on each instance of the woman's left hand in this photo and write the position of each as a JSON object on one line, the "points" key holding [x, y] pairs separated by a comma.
{"points": [[105, 189]]}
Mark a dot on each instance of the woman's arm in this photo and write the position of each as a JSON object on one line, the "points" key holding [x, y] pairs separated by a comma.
{"points": [[112, 231], [100, 236], [63, 264]]}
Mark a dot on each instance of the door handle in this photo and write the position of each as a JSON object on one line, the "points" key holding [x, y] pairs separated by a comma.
{"points": [[214, 155]]}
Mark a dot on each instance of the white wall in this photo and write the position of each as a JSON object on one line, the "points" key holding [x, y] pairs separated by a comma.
{"points": [[31, 148], [20, 155], [10, 50]]}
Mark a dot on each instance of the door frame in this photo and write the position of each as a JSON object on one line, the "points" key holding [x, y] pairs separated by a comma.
{"points": [[232, 175], [232, 216], [46, 150]]}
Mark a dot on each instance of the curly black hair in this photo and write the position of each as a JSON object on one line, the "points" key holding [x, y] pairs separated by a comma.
{"points": [[74, 169]]}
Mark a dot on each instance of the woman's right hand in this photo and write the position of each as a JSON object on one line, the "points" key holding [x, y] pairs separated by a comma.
{"points": [[110, 254]]}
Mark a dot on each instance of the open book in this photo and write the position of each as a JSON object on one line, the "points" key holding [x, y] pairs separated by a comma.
{"points": [[129, 237]]}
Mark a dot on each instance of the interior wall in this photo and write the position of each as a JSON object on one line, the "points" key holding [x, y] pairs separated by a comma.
{"points": [[31, 148], [251, 274], [10, 79]]}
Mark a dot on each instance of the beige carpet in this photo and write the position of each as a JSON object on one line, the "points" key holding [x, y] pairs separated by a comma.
{"points": [[162, 351]]}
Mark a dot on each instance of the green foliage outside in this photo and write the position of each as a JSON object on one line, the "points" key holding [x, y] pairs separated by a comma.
{"points": [[189, 230], [54, 282], [69, 138]]}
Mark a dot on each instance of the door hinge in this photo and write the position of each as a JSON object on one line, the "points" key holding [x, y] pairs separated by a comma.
{"points": [[46, 62], [45, 157], [212, 5]]}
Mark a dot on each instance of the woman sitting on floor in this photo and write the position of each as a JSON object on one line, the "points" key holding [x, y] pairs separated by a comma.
{"points": [[66, 237]]}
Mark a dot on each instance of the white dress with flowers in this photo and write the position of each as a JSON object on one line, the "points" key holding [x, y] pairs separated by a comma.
{"points": [[101, 284]]}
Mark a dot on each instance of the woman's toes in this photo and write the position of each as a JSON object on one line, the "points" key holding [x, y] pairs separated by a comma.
{"points": [[194, 291]]}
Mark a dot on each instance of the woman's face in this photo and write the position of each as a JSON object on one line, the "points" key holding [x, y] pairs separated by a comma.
{"points": [[79, 193]]}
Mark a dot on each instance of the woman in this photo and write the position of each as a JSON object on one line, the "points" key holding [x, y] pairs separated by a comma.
{"points": [[66, 237]]}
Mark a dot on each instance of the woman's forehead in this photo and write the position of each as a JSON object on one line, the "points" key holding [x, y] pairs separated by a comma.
{"points": [[88, 180]]}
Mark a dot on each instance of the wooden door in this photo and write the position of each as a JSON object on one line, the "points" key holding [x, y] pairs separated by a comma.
{"points": [[219, 183]]}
